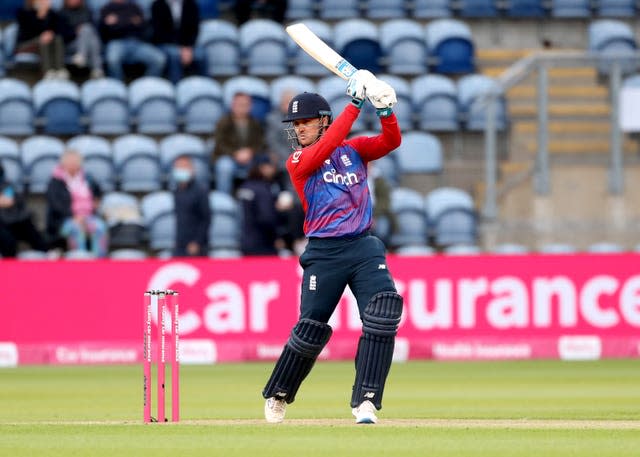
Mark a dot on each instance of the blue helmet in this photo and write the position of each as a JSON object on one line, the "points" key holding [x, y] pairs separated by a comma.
{"points": [[307, 106]]}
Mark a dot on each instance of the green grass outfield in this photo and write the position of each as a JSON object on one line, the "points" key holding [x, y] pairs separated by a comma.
{"points": [[524, 408]]}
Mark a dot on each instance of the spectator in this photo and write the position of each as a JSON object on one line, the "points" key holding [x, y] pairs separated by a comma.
{"points": [[384, 223], [259, 213], [40, 31], [238, 137], [72, 200], [278, 143], [270, 9], [176, 24], [16, 223], [193, 214], [122, 28], [83, 40]]}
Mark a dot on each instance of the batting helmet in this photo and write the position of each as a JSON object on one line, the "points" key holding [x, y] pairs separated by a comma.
{"points": [[307, 106]]}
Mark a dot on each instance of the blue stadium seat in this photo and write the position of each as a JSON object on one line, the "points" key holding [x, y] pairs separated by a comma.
{"points": [[159, 218], [137, 162], [302, 63], [404, 108], [477, 8], [411, 224], [444, 198], [183, 144], [105, 102], [208, 9], [294, 83], [385, 9], [571, 8], [152, 101], [98, 160], [256, 87], [263, 46], [357, 40], [617, 8], [119, 207], [301, 9], [404, 47], [57, 107], [8, 9], [431, 9], [219, 39], [16, 108], [435, 100], [525, 8], [225, 228], [471, 89], [199, 102], [452, 217], [451, 46], [613, 38], [338, 9], [420, 152], [40, 154], [11, 162]]}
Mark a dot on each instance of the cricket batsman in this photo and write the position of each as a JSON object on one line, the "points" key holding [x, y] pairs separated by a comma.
{"points": [[329, 174]]}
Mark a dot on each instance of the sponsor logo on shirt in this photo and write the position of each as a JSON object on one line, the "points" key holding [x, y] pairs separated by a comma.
{"points": [[348, 179], [296, 156], [346, 160]]}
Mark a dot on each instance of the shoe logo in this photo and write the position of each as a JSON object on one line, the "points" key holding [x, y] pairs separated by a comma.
{"points": [[281, 394], [369, 395], [313, 282], [382, 266]]}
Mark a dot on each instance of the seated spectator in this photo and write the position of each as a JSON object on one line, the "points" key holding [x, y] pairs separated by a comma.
{"points": [[193, 213], [238, 137], [122, 29], [269, 9], [72, 202], [384, 222], [16, 223], [176, 24], [40, 31], [83, 40]]}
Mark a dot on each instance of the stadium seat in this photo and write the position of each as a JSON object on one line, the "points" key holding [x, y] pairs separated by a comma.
{"points": [[199, 102], [301, 62], [128, 254], [159, 218], [16, 108], [297, 84], [182, 144], [430, 9], [385, 9], [387, 165], [570, 8], [557, 248], [122, 214], [152, 102], [357, 40], [616, 8], [11, 163], [225, 228], [263, 46], [300, 9], [40, 154], [8, 9], [415, 251], [105, 102], [435, 99], [525, 8], [471, 89], [137, 163], [98, 161], [452, 217], [219, 39], [510, 249], [256, 87], [404, 47], [404, 108], [411, 225], [612, 38], [333, 10], [57, 107], [208, 9], [451, 46], [79, 254], [477, 8], [420, 152], [605, 247]]}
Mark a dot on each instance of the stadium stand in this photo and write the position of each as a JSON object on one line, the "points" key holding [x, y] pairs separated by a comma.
{"points": [[98, 160], [263, 46], [17, 117], [609, 37], [220, 40], [357, 41], [57, 107], [471, 89], [40, 154], [224, 231], [199, 103], [152, 103], [105, 103], [301, 62], [570, 8], [385, 9], [477, 8], [408, 207], [451, 46], [404, 47], [451, 216], [180, 144], [525, 9], [137, 161], [430, 9], [300, 9], [338, 9], [159, 218], [435, 101], [11, 162], [256, 87]]}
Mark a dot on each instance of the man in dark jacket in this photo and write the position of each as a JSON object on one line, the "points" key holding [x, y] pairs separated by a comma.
{"points": [[193, 214], [122, 29], [176, 24]]}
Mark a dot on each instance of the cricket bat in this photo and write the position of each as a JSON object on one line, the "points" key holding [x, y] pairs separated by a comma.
{"points": [[320, 51]]}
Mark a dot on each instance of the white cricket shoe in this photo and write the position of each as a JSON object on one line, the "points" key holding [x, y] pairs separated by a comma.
{"points": [[274, 410], [365, 413]]}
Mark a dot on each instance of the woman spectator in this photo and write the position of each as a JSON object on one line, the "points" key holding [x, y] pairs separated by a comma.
{"points": [[83, 40]]}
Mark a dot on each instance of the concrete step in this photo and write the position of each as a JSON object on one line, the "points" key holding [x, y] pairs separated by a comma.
{"points": [[581, 91], [581, 146], [566, 110], [556, 75], [566, 127]]}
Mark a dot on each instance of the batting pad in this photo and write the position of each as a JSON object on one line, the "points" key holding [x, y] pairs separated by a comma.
{"points": [[307, 339], [380, 322]]}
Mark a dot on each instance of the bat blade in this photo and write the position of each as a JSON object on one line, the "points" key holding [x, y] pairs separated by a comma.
{"points": [[320, 51]]}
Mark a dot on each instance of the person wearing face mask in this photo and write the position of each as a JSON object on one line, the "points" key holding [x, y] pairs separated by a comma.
{"points": [[193, 214]]}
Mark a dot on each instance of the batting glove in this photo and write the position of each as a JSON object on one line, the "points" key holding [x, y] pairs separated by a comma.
{"points": [[356, 87], [382, 96]]}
